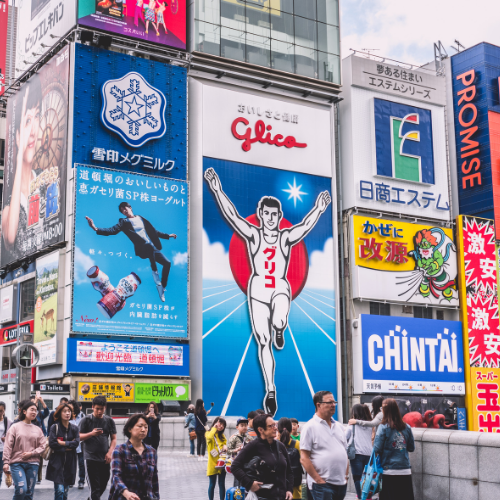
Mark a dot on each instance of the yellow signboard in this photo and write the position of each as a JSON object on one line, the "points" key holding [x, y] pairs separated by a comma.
{"points": [[114, 393], [485, 396], [392, 245]]}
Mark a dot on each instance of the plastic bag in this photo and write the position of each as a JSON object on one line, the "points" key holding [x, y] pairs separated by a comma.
{"points": [[371, 478]]}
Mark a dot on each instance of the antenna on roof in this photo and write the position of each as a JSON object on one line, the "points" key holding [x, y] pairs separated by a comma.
{"points": [[439, 55]]}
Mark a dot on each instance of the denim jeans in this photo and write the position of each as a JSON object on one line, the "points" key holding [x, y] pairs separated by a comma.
{"points": [[357, 468], [222, 485], [60, 491], [328, 491], [191, 448], [1, 466], [81, 468], [24, 477]]}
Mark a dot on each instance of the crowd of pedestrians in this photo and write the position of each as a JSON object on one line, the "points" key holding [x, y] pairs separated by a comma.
{"points": [[271, 460]]}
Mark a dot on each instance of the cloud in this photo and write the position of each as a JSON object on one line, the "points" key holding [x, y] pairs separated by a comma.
{"points": [[321, 268], [406, 31], [215, 261], [180, 259], [82, 264]]}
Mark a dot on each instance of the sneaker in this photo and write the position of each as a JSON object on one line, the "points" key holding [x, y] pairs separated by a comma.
{"points": [[156, 278], [279, 339], [199, 459], [80, 486], [189, 455], [270, 403], [161, 292]]}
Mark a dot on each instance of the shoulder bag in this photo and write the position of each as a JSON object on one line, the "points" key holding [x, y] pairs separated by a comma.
{"points": [[351, 449], [206, 427], [215, 452], [47, 453]]}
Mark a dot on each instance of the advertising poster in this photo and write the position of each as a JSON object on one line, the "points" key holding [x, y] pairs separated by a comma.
{"points": [[479, 314], [135, 120], [46, 285], [411, 355], [157, 21], [4, 22], [403, 262], [34, 192], [41, 23], [9, 334], [268, 288], [127, 358], [130, 254], [114, 393], [145, 393], [8, 303]]}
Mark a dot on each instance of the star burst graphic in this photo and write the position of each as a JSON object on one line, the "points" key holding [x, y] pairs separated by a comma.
{"points": [[294, 192]]}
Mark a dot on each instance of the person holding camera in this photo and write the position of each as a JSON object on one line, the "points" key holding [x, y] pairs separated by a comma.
{"points": [[201, 421], [153, 417], [96, 431], [263, 466]]}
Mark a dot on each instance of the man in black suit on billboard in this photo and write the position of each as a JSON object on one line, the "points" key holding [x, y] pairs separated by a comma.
{"points": [[146, 240]]}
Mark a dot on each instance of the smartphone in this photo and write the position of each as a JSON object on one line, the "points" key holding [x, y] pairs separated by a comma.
{"points": [[37, 394], [211, 404], [266, 486], [98, 429]]}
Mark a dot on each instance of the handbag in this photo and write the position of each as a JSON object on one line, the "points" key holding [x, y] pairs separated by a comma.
{"points": [[371, 480], [215, 452], [47, 452], [206, 427], [351, 449], [192, 435]]}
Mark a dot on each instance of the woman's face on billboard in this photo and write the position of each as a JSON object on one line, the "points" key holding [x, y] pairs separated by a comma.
{"points": [[27, 134]]}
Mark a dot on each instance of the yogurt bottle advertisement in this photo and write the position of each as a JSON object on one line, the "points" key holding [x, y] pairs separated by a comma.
{"points": [[130, 262]]}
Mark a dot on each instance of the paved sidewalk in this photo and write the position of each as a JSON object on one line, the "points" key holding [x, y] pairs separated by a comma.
{"points": [[181, 478]]}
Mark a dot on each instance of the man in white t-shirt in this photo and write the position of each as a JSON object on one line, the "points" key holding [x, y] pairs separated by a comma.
{"points": [[146, 240], [4, 427], [323, 451]]}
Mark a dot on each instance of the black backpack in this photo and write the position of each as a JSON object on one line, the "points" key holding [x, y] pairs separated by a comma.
{"points": [[294, 456]]}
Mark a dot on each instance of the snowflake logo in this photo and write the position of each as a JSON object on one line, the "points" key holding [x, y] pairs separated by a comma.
{"points": [[133, 109]]}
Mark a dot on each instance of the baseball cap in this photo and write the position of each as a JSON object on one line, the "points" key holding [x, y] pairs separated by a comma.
{"points": [[241, 421]]}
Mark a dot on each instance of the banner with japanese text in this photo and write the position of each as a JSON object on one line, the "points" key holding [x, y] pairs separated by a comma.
{"points": [[127, 358], [47, 282], [145, 393], [34, 190], [114, 393], [135, 119], [479, 313], [403, 262], [130, 262]]}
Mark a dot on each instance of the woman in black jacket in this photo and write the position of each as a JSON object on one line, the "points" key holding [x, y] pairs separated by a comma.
{"points": [[153, 417], [276, 470], [64, 439], [201, 416]]}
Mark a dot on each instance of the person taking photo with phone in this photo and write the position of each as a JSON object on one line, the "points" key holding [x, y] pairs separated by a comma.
{"points": [[201, 421], [64, 439], [98, 433], [23, 446], [153, 418]]}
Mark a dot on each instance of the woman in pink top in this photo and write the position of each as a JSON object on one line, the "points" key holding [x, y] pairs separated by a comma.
{"points": [[21, 454]]}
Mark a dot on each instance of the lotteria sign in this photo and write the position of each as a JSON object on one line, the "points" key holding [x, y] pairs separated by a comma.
{"points": [[9, 335], [409, 355]]}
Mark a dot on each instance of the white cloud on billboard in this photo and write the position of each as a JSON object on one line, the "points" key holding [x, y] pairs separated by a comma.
{"points": [[180, 258], [215, 260], [82, 264], [320, 275]]}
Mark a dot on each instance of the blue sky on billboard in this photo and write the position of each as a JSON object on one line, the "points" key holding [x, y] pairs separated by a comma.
{"points": [[406, 31], [126, 225]]}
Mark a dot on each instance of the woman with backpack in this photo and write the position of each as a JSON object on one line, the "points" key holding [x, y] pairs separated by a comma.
{"points": [[216, 444], [64, 439], [362, 442], [393, 441], [293, 449]]}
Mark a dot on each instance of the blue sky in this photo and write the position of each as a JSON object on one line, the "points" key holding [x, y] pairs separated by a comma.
{"points": [[406, 31]]}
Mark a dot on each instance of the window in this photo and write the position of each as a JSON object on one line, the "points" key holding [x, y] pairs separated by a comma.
{"points": [[440, 314], [249, 30], [422, 312], [27, 310], [379, 309]]}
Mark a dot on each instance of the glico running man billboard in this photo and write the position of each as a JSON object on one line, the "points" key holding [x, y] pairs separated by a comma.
{"points": [[267, 274], [34, 195], [130, 254], [134, 119], [156, 21]]}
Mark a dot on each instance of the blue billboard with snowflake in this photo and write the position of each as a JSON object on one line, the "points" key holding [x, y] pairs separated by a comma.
{"points": [[130, 262], [129, 113]]}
